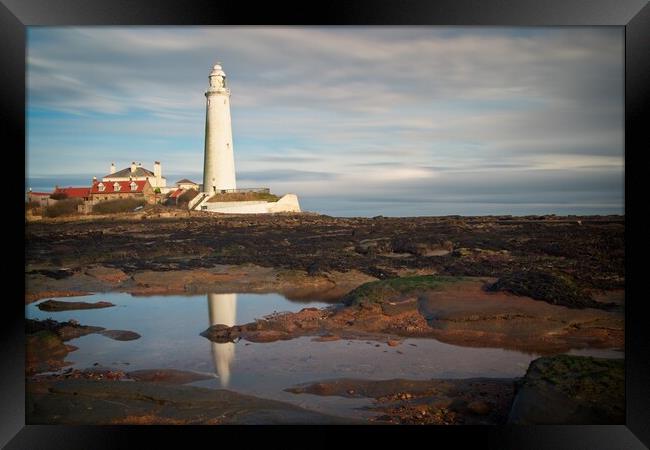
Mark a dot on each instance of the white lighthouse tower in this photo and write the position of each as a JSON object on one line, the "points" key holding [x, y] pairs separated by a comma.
{"points": [[219, 162]]}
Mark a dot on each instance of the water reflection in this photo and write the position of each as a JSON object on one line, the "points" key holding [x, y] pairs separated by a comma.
{"points": [[222, 309]]}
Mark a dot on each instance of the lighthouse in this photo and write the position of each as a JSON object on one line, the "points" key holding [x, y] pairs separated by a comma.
{"points": [[219, 161]]}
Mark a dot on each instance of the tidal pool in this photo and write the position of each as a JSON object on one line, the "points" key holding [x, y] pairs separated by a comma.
{"points": [[170, 325]]}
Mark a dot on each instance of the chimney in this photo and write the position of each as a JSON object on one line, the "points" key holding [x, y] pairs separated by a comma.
{"points": [[112, 168], [132, 166], [157, 172], [95, 179]]}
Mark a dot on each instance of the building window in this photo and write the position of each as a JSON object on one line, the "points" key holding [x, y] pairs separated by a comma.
{"points": [[101, 187], [117, 187], [133, 186]]}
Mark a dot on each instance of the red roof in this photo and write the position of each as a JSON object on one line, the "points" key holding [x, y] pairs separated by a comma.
{"points": [[125, 187], [75, 192], [176, 193]]}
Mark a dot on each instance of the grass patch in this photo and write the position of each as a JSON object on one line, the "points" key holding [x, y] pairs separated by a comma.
{"points": [[386, 290], [552, 287], [32, 206], [118, 206], [62, 208], [243, 197]]}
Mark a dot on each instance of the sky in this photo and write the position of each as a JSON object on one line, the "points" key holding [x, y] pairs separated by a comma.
{"points": [[357, 121]]}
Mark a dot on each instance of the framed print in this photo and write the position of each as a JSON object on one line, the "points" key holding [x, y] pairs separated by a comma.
{"points": [[365, 220]]}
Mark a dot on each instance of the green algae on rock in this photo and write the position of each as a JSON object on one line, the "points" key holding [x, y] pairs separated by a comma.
{"points": [[383, 291], [567, 389], [552, 287]]}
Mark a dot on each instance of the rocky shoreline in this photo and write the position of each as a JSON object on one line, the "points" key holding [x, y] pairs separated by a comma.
{"points": [[455, 311], [588, 250], [552, 392], [543, 285]]}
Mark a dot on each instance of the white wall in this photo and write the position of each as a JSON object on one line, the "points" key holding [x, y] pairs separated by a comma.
{"points": [[288, 203]]}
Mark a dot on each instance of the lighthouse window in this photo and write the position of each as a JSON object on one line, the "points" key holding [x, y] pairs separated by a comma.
{"points": [[208, 102], [224, 102]]}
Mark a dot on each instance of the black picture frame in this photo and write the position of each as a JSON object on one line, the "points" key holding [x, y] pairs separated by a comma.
{"points": [[634, 15]]}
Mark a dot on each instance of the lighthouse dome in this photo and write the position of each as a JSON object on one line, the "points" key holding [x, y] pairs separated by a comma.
{"points": [[217, 70]]}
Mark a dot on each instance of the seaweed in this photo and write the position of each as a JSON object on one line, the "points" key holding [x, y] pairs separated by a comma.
{"points": [[552, 287]]}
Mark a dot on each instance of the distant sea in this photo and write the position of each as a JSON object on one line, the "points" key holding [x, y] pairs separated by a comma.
{"points": [[340, 206]]}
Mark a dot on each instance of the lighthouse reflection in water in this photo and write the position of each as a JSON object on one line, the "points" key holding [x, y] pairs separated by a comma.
{"points": [[223, 310]]}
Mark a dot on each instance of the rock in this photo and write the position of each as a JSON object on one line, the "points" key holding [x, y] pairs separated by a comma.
{"points": [[221, 333], [313, 269], [422, 409], [31, 297], [266, 336], [458, 404], [479, 407], [550, 286], [327, 338], [443, 403], [393, 343], [44, 351], [438, 401], [83, 402], [65, 330], [571, 390], [121, 335], [55, 274], [55, 305], [461, 252], [107, 274], [170, 376]]}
